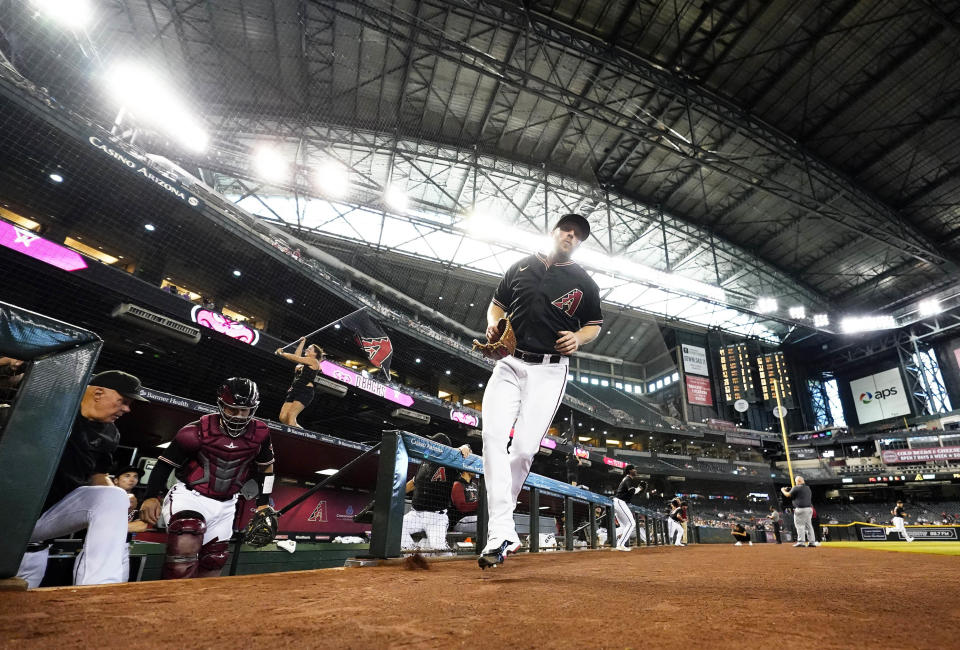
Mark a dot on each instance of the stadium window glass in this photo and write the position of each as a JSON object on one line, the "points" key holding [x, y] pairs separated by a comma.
{"points": [[604, 382], [594, 381], [628, 388], [833, 398], [651, 388], [618, 385], [659, 384], [584, 379], [675, 376]]}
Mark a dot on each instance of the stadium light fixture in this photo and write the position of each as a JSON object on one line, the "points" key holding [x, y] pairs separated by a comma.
{"points": [[766, 305], [930, 307], [396, 199], [327, 472], [270, 165], [144, 93], [149, 227], [56, 178], [72, 14], [236, 273], [332, 179], [289, 301], [417, 360], [821, 320], [857, 324], [797, 313]]}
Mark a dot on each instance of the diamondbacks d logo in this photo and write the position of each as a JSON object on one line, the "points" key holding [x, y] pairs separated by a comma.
{"points": [[378, 349], [319, 513], [440, 474], [569, 301]]}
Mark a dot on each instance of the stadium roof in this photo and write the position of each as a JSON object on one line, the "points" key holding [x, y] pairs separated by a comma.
{"points": [[801, 151]]}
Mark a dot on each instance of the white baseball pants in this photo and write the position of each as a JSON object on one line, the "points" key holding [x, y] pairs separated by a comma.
{"points": [[626, 519], [675, 531], [523, 397], [105, 557], [900, 528], [217, 514], [434, 524]]}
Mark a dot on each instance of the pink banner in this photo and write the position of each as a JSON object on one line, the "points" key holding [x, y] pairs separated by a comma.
{"points": [[698, 391], [39, 248], [327, 511], [891, 456], [351, 378]]}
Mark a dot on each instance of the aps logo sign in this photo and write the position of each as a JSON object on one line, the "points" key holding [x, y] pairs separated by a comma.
{"points": [[867, 396]]}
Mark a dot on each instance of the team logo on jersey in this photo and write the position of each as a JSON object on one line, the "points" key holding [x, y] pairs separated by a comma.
{"points": [[378, 349], [569, 301], [440, 474]]}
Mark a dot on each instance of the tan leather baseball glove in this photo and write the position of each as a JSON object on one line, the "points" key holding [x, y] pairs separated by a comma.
{"points": [[503, 346]]}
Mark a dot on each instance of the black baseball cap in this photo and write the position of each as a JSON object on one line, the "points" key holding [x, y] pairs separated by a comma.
{"points": [[578, 221], [122, 382], [129, 468], [628, 468]]}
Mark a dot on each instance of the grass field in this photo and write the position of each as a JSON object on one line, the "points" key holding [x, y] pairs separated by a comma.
{"points": [[930, 548]]}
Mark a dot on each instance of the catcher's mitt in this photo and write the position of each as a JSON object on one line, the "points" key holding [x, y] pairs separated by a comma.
{"points": [[262, 528], [503, 346]]}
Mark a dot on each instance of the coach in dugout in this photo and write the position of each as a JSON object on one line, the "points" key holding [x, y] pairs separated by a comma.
{"points": [[82, 495]]}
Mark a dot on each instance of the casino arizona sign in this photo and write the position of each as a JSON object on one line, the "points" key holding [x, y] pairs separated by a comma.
{"points": [[145, 171]]}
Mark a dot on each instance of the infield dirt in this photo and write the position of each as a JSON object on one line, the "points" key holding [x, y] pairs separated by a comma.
{"points": [[699, 596]]}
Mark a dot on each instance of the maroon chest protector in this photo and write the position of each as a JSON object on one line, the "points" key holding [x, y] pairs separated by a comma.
{"points": [[221, 464]]}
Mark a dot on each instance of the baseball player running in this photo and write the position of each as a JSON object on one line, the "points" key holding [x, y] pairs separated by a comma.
{"points": [[212, 458], [899, 515], [554, 307], [629, 486]]}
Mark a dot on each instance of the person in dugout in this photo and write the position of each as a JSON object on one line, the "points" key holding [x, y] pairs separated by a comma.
{"points": [[212, 457]]}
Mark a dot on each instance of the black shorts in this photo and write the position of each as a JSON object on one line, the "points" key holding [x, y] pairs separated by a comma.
{"points": [[302, 394]]}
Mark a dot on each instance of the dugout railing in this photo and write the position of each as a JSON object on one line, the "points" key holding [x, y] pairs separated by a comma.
{"points": [[60, 358], [399, 448]]}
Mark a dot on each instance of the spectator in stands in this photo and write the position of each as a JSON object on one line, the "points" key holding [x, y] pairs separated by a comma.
{"points": [[464, 498], [11, 372], [432, 489], [801, 500], [127, 479], [300, 393], [775, 520], [82, 495], [740, 534]]}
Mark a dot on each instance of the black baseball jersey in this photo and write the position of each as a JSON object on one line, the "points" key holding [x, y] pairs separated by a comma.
{"points": [[625, 490], [89, 451], [899, 512], [543, 300], [431, 487], [676, 513]]}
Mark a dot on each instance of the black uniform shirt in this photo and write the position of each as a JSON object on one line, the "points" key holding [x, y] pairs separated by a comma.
{"points": [[899, 512], [431, 487], [542, 301], [89, 451], [303, 375], [625, 490]]}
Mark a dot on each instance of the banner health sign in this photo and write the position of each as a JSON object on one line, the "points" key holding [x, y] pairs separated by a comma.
{"points": [[880, 396]]}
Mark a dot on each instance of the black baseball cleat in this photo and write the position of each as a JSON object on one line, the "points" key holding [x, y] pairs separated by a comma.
{"points": [[496, 556]]}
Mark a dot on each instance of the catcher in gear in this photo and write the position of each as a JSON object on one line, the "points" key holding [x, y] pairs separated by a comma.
{"points": [[212, 457], [503, 342]]}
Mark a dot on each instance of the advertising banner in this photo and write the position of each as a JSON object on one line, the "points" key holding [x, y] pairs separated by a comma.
{"points": [[694, 360], [698, 391], [890, 456], [880, 396], [326, 512]]}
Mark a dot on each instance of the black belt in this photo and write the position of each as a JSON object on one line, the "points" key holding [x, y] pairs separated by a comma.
{"points": [[36, 547], [532, 357]]}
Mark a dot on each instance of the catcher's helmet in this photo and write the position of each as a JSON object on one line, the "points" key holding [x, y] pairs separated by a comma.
{"points": [[242, 397]]}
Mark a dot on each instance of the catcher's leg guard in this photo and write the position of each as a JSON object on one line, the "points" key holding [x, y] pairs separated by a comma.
{"points": [[213, 555], [184, 539]]}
